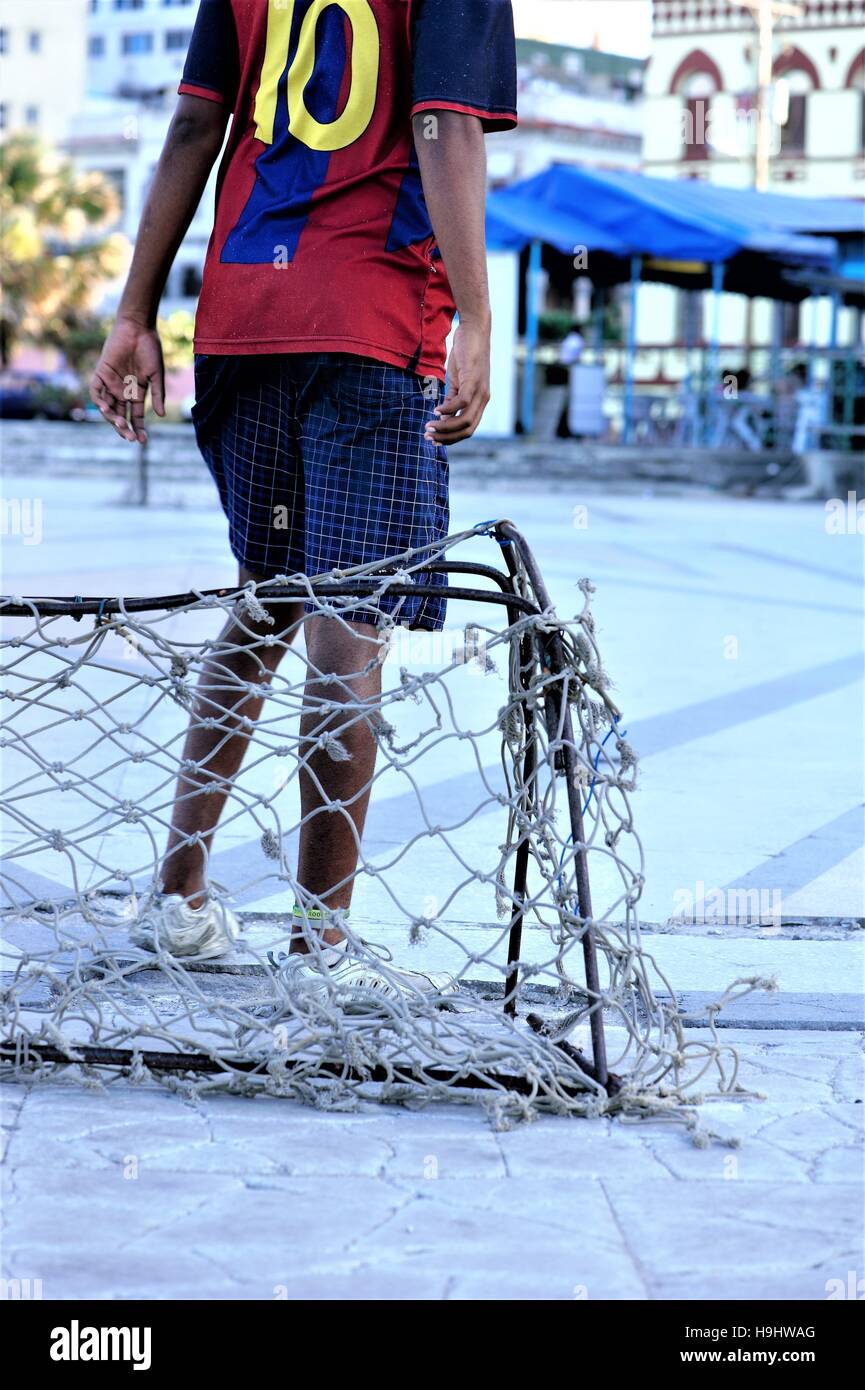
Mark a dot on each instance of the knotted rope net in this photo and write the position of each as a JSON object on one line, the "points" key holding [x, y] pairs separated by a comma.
{"points": [[499, 845]]}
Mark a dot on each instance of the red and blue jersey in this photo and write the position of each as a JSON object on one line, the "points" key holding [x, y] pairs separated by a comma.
{"points": [[322, 241]]}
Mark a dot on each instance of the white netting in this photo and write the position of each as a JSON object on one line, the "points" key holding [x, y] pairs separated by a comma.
{"points": [[501, 788]]}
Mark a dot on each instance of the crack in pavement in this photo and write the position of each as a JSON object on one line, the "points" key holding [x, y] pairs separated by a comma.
{"points": [[636, 1263]]}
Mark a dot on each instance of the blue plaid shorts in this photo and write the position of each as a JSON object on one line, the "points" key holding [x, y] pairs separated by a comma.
{"points": [[321, 463]]}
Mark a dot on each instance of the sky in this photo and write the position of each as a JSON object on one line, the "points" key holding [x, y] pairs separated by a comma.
{"points": [[622, 26]]}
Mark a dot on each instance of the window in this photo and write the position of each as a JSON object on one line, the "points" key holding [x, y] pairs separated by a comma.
{"points": [[697, 89], [31, 115], [177, 38], [137, 43], [695, 81], [96, 46], [34, 41], [794, 78], [129, 4], [790, 330], [793, 129], [4, 40], [176, 3], [689, 317], [695, 143], [4, 115]]}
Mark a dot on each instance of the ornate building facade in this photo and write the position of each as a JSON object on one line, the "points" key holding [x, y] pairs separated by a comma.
{"points": [[700, 109], [700, 95]]}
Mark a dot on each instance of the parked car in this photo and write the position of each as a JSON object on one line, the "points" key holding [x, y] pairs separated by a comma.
{"points": [[41, 396], [17, 401]]}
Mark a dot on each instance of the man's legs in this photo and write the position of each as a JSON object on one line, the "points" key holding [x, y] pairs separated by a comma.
{"points": [[334, 792], [240, 659], [342, 444]]}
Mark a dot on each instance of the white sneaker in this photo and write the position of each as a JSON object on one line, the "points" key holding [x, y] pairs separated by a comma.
{"points": [[170, 923], [345, 977]]}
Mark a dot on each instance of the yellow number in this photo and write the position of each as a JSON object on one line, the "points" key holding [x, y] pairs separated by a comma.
{"points": [[279, 19], [357, 113]]}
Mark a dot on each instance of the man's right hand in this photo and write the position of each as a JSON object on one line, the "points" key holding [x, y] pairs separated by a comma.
{"points": [[131, 363], [460, 412]]}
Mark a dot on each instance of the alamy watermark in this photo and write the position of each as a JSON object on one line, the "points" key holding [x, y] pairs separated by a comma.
{"points": [[22, 516], [20, 1290], [753, 906], [77, 1343], [845, 518]]}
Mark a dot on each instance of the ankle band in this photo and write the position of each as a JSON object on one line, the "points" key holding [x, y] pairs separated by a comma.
{"points": [[316, 914]]}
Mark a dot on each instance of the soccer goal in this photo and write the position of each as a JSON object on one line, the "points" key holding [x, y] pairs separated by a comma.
{"points": [[500, 847]]}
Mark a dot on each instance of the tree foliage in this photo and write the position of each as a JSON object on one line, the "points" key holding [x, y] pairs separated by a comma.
{"points": [[57, 250]]}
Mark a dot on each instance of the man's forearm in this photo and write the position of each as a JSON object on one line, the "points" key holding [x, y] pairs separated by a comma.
{"points": [[453, 170], [191, 148]]}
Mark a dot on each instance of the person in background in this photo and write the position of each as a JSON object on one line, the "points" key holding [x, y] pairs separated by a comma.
{"points": [[571, 349], [558, 377]]}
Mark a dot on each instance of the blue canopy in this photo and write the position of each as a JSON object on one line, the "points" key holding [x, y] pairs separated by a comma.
{"points": [[514, 218], [628, 214]]}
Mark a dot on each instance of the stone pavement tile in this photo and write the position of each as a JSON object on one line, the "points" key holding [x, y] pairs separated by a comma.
{"points": [[70, 1127], [845, 1164], [361, 1240], [440, 1141], [762, 1143], [82, 1233], [796, 1066], [512, 1238], [218, 1237], [777, 1140], [12, 1101], [280, 1137], [65, 1126], [850, 1113], [434, 1204], [753, 1160], [848, 1078], [786, 1281], [809, 1133], [210, 1237], [398, 1282], [739, 1240], [801, 967], [69, 1271], [553, 1147]]}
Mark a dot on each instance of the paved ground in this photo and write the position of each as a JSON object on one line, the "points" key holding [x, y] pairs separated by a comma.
{"points": [[126, 1194], [732, 629]]}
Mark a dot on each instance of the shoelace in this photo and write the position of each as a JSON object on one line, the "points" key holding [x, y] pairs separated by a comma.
{"points": [[382, 953], [214, 890]]}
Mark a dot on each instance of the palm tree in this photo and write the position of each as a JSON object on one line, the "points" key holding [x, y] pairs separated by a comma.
{"points": [[56, 250]]}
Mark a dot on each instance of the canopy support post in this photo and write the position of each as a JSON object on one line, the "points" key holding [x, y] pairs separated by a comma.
{"points": [[631, 350], [533, 279], [813, 306], [712, 385], [775, 360], [835, 301], [598, 319]]}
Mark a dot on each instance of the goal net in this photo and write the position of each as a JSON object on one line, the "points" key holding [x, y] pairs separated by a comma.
{"points": [[499, 846]]}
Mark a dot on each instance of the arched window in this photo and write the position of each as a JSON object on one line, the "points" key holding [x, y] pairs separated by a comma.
{"points": [[696, 80], [799, 76], [856, 80]]}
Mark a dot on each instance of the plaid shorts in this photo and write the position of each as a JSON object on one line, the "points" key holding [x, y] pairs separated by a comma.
{"points": [[321, 463]]}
